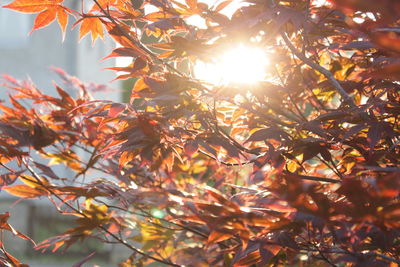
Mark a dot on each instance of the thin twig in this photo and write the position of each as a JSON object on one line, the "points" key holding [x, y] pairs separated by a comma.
{"points": [[161, 219], [120, 240]]}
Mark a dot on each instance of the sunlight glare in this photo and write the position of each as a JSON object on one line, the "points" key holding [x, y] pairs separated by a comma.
{"points": [[241, 65], [320, 3]]}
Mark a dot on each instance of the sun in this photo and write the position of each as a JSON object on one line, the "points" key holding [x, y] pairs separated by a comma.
{"points": [[239, 65]]}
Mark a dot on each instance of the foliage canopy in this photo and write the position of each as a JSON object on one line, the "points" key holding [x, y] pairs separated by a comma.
{"points": [[302, 165]]}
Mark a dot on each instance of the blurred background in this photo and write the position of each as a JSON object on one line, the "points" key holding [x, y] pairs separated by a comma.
{"points": [[31, 56]]}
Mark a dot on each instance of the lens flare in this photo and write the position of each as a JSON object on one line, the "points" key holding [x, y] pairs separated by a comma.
{"points": [[240, 65]]}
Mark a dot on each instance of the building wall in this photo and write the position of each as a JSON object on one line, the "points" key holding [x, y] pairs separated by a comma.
{"points": [[26, 55]]}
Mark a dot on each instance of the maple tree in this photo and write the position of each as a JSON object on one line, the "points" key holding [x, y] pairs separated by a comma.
{"points": [[302, 165]]}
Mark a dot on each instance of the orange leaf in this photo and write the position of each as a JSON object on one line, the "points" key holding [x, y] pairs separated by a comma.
{"points": [[44, 18], [57, 245], [24, 191], [218, 236], [221, 199], [222, 5], [159, 15], [32, 6], [105, 4], [118, 33], [116, 109], [249, 259], [191, 3], [92, 25], [62, 18]]}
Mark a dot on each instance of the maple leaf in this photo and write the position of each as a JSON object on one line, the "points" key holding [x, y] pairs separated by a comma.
{"points": [[32, 6], [104, 4], [49, 11], [92, 25], [44, 18], [62, 18]]}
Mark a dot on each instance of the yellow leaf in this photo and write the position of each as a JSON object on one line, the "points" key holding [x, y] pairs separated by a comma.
{"points": [[291, 166]]}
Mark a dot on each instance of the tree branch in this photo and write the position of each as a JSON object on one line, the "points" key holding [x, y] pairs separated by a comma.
{"points": [[313, 178], [137, 42], [345, 96], [120, 240]]}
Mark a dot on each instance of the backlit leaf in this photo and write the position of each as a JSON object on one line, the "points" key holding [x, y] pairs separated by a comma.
{"points": [[115, 109], [44, 18], [92, 26], [222, 5], [24, 191], [218, 236], [62, 18], [9, 178], [32, 6], [191, 3]]}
